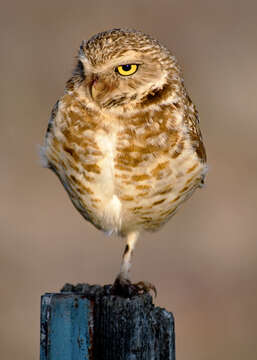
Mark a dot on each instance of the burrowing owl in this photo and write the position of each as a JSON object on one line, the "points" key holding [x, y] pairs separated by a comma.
{"points": [[124, 139]]}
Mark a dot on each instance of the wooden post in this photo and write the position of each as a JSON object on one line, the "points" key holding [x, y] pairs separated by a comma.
{"points": [[87, 322]]}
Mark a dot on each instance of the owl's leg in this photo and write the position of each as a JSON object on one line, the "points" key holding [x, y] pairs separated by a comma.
{"points": [[122, 285], [127, 256]]}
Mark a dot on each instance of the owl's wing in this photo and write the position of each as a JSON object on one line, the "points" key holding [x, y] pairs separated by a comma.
{"points": [[42, 152], [192, 121], [52, 117]]}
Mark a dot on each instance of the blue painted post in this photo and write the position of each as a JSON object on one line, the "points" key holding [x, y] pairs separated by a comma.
{"points": [[88, 322], [65, 327]]}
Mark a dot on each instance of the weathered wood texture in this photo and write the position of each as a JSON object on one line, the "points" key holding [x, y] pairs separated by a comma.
{"points": [[87, 322], [65, 327]]}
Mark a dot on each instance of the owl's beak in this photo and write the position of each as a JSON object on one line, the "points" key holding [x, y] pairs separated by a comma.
{"points": [[98, 88]]}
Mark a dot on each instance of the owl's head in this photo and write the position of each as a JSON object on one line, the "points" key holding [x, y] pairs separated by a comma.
{"points": [[120, 67]]}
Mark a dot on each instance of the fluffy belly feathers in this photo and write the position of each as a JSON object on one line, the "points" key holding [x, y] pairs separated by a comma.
{"points": [[118, 183]]}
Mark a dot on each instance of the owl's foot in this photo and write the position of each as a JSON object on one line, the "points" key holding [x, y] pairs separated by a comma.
{"points": [[146, 286], [124, 288]]}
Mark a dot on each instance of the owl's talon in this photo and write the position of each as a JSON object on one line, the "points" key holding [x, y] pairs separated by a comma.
{"points": [[146, 286], [125, 288]]}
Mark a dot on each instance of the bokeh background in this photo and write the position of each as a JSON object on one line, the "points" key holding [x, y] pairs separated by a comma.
{"points": [[204, 262]]}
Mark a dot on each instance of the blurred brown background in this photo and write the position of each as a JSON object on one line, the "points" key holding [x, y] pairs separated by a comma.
{"points": [[204, 262]]}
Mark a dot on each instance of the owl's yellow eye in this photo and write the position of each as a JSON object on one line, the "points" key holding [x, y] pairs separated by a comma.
{"points": [[127, 69]]}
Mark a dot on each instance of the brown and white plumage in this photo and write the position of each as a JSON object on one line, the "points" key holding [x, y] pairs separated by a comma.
{"points": [[128, 149]]}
